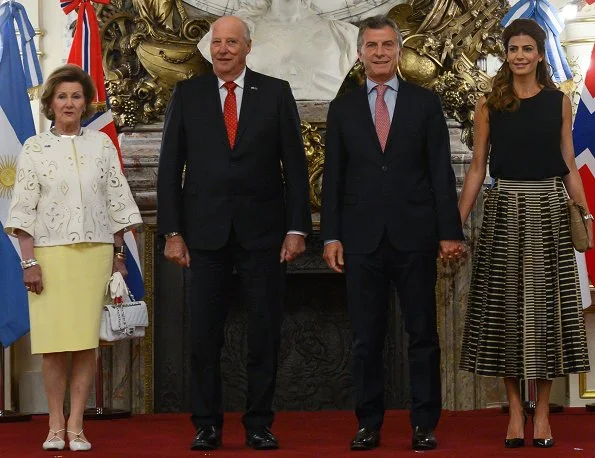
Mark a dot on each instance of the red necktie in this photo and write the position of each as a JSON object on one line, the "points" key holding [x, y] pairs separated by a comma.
{"points": [[381, 116], [230, 112]]}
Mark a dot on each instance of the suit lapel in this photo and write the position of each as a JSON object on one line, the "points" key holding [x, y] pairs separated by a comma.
{"points": [[214, 99], [398, 115], [249, 98], [367, 125]]}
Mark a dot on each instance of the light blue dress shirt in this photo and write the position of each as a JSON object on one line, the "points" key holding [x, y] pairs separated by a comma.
{"points": [[390, 96]]}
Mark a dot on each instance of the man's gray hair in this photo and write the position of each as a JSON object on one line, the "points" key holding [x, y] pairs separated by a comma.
{"points": [[247, 36], [378, 22]]}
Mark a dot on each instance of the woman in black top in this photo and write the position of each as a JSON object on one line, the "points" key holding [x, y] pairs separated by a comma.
{"points": [[524, 316]]}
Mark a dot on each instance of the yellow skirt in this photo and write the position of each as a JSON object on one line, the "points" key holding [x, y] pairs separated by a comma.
{"points": [[65, 316]]}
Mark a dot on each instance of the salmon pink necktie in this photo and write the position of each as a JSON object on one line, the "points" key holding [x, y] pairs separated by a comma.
{"points": [[381, 116], [230, 112]]}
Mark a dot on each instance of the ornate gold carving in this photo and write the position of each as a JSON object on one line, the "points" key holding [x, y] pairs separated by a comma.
{"points": [[148, 45], [314, 147], [443, 41]]}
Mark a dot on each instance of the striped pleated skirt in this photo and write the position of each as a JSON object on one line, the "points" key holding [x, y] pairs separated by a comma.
{"points": [[524, 313]]}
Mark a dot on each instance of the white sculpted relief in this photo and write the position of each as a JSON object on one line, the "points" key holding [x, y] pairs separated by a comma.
{"points": [[347, 10], [292, 42]]}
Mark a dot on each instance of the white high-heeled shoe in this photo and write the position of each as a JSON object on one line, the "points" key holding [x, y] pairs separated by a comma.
{"points": [[54, 442], [78, 444]]}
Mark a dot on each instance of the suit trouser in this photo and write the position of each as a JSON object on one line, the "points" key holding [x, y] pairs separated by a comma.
{"points": [[368, 287], [262, 280]]}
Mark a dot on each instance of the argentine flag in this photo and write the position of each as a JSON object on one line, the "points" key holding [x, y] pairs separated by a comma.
{"points": [[16, 125], [546, 15]]}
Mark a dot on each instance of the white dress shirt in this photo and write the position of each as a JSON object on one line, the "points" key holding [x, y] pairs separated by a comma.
{"points": [[239, 91]]}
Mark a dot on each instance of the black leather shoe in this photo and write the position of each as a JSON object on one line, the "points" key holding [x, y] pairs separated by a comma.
{"points": [[543, 443], [514, 443], [261, 439], [207, 438], [366, 439], [423, 439]]}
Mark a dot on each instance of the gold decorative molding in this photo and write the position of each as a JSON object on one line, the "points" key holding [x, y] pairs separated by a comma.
{"points": [[314, 147], [150, 231], [579, 41], [38, 32], [578, 20], [583, 391]]}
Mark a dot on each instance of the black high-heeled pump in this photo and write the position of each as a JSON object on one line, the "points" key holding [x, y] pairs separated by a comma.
{"points": [[517, 442], [542, 443]]}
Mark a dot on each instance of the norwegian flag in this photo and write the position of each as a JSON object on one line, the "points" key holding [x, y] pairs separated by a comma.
{"points": [[583, 134], [86, 53]]}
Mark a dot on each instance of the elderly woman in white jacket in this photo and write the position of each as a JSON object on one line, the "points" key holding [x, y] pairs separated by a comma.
{"points": [[70, 208]]}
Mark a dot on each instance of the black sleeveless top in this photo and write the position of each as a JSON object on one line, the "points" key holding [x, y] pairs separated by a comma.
{"points": [[525, 144]]}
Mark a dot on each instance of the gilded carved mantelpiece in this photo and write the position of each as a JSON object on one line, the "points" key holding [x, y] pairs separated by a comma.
{"points": [[149, 45]]}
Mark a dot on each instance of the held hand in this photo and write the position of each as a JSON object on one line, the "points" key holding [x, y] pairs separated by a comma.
{"points": [[293, 246], [333, 256], [590, 232], [119, 265], [177, 251], [32, 279], [451, 250]]}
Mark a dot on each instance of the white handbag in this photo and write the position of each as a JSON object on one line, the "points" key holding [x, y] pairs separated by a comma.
{"points": [[123, 317]]}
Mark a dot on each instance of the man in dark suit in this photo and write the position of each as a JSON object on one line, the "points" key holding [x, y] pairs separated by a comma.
{"points": [[243, 204], [389, 205]]}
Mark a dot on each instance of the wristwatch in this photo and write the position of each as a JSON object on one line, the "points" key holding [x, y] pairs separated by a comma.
{"points": [[169, 235]]}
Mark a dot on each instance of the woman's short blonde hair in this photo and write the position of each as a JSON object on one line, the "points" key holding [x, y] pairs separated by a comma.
{"points": [[68, 73]]}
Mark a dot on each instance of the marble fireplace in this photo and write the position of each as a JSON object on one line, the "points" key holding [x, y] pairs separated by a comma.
{"points": [[151, 374]]}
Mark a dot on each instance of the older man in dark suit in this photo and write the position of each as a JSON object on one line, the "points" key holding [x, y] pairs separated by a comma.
{"points": [[389, 205], [244, 205]]}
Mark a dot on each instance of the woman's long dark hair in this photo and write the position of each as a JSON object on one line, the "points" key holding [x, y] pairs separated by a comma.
{"points": [[503, 97]]}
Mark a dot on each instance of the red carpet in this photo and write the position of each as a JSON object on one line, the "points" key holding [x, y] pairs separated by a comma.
{"points": [[307, 434]]}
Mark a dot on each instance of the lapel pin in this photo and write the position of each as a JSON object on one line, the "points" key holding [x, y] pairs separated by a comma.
{"points": [[254, 88]]}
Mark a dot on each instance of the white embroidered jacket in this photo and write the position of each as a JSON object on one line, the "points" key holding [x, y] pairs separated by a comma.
{"points": [[71, 190]]}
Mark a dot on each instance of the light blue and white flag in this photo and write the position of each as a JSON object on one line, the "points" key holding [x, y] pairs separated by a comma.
{"points": [[16, 125], [546, 15]]}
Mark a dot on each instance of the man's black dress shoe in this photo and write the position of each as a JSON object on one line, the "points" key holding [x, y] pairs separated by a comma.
{"points": [[261, 439], [207, 438], [423, 439], [366, 439]]}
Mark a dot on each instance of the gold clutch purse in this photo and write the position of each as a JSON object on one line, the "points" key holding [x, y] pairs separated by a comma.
{"points": [[578, 226]]}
